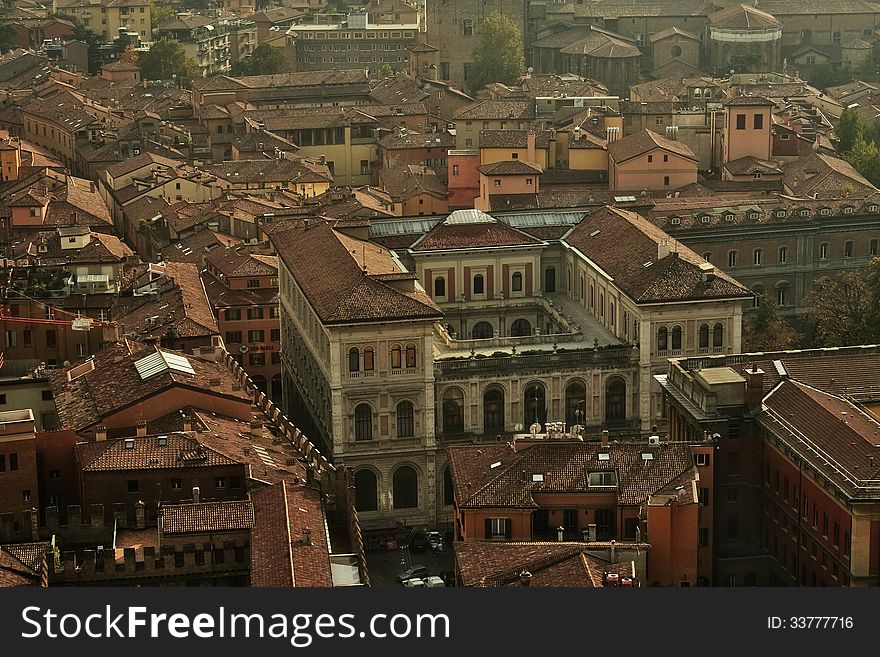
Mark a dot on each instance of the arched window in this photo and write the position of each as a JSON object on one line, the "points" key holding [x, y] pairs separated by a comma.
{"points": [[395, 357], [757, 256], [439, 287], [704, 336], [847, 249], [369, 359], [354, 360], [366, 491], [783, 254], [516, 282], [363, 422], [615, 400], [550, 279], [405, 488], [782, 295], [823, 251], [482, 331], [405, 428], [872, 248], [534, 405], [453, 411], [731, 258], [493, 410], [479, 284], [520, 328], [676, 338], [575, 403], [467, 27], [410, 355], [448, 492], [718, 335], [676, 51], [759, 293], [662, 339]]}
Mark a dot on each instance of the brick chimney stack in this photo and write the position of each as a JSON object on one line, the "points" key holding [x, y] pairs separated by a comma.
{"points": [[754, 387]]}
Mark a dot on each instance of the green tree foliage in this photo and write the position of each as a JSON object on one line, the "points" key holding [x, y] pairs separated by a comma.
{"points": [[849, 129], [264, 60], [160, 12], [846, 311], [865, 158], [765, 330], [498, 56], [167, 59]]}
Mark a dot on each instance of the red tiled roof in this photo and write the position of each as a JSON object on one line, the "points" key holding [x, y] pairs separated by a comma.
{"points": [[625, 246], [473, 229], [176, 450], [646, 141], [338, 275], [490, 564], [565, 467], [207, 517], [234, 263], [282, 553]]}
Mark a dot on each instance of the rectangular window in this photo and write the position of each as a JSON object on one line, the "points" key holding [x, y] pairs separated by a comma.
{"points": [[701, 459], [133, 486], [253, 282], [219, 482], [255, 313], [740, 121], [11, 339], [759, 122], [602, 478], [498, 528], [50, 338], [276, 358], [176, 484], [256, 336], [454, 169], [233, 337], [275, 335], [257, 360], [13, 462]]}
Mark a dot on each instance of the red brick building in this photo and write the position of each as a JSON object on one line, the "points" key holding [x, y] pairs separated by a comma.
{"points": [[19, 490], [243, 292], [627, 492], [795, 495]]}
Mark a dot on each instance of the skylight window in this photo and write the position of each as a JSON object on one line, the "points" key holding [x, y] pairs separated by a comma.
{"points": [[604, 456], [602, 478], [162, 361]]}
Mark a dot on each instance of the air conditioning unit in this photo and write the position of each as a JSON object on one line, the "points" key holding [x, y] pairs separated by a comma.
{"points": [[653, 440], [243, 349]]}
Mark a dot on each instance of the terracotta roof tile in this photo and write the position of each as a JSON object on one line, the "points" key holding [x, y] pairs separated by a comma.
{"points": [[176, 450], [565, 466], [472, 229], [207, 517], [646, 141], [289, 541]]}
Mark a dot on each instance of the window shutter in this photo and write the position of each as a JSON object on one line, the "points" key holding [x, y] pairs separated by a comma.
{"points": [[508, 528], [488, 528]]}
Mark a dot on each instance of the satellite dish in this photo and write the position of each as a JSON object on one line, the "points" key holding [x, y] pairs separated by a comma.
{"points": [[530, 69], [67, 363], [535, 428], [243, 349], [518, 426]]}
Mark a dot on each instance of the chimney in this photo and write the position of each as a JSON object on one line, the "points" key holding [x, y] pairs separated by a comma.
{"points": [[196, 495], [672, 132], [525, 578], [92, 186], [591, 532], [613, 551], [140, 516], [101, 434], [708, 271], [754, 387], [663, 249], [307, 536], [604, 437], [187, 423], [531, 148], [142, 428]]}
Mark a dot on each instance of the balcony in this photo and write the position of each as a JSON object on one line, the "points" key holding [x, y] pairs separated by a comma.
{"points": [[602, 357]]}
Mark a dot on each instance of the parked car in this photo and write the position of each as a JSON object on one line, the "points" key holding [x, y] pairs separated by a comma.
{"points": [[419, 543], [434, 582], [414, 583], [414, 571], [435, 540]]}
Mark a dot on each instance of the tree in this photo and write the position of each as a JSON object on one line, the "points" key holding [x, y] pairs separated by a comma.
{"points": [[498, 56], [845, 311], [7, 37], [130, 55], [765, 330], [865, 158], [264, 60], [167, 59], [160, 12], [849, 127]]}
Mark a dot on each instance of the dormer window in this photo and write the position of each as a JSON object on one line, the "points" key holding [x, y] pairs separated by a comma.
{"points": [[705, 219], [602, 478], [729, 216], [754, 215], [675, 221], [847, 209], [780, 214], [804, 212], [825, 212], [872, 208]]}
